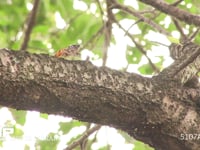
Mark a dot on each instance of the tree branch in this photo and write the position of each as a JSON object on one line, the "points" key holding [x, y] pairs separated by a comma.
{"points": [[179, 28], [91, 42], [30, 25], [86, 134], [141, 17], [140, 48], [174, 11], [146, 108], [107, 31]]}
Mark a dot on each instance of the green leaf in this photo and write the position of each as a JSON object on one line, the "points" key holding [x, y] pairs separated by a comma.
{"points": [[19, 116], [173, 40], [43, 115], [49, 143], [127, 137], [1, 143], [15, 45], [65, 127], [160, 63], [37, 46], [74, 138], [133, 55], [26, 147], [107, 147], [146, 69], [17, 132], [65, 8], [141, 146], [41, 29]]}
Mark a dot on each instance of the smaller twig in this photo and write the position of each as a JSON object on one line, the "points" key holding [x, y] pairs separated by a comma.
{"points": [[107, 31], [96, 35], [74, 18], [139, 20], [100, 8], [160, 43], [192, 36], [85, 135], [176, 3], [140, 48], [147, 11], [184, 38], [106, 42], [139, 16], [179, 28], [30, 25], [149, 60], [83, 144]]}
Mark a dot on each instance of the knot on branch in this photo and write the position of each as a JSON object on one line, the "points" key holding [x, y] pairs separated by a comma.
{"points": [[186, 64]]}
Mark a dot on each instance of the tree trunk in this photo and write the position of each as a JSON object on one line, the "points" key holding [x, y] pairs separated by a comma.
{"points": [[158, 110]]}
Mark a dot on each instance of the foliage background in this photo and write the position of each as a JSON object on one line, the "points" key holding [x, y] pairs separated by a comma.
{"points": [[117, 39]]}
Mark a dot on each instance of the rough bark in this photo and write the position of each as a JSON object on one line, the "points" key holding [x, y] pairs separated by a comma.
{"points": [[158, 111]]}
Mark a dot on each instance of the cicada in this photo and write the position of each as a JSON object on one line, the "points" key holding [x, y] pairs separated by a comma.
{"points": [[70, 51]]}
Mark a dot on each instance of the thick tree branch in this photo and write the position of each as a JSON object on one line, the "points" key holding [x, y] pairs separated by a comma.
{"points": [[146, 108], [174, 11]]}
